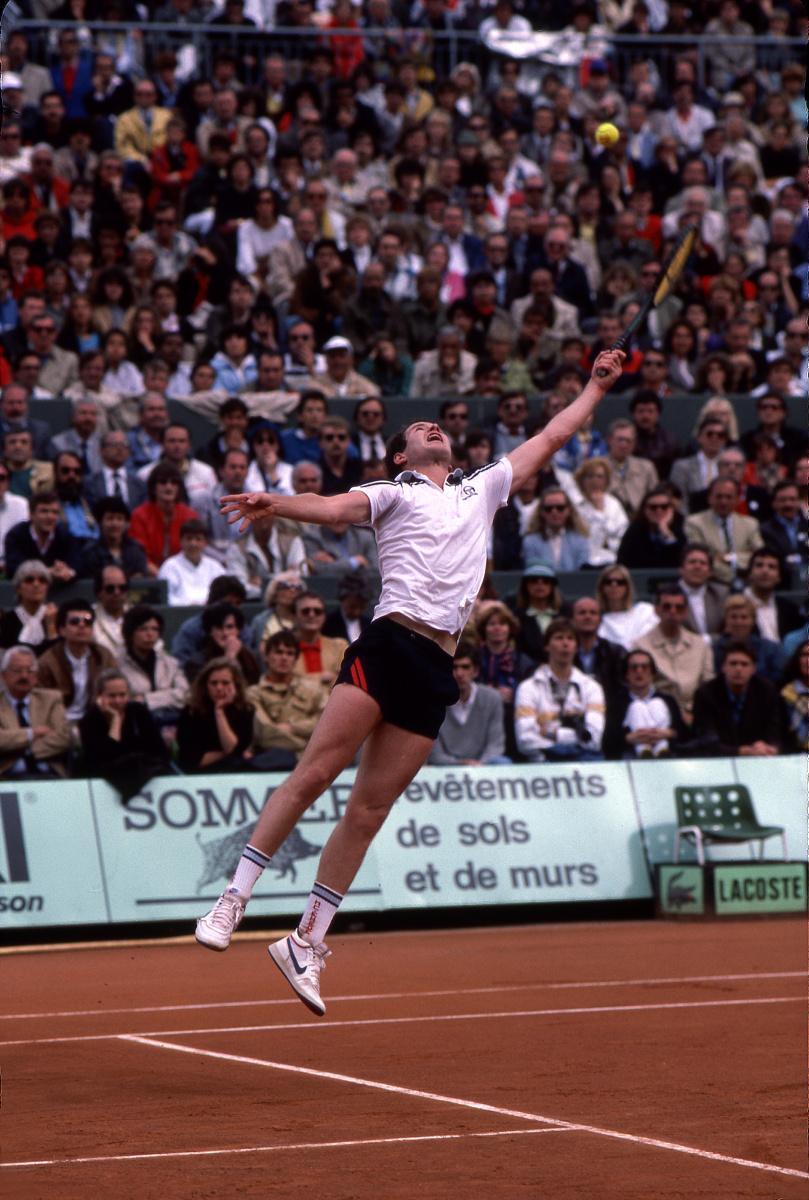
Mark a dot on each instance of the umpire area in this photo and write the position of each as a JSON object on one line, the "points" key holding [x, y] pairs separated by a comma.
{"points": [[624, 1061]]}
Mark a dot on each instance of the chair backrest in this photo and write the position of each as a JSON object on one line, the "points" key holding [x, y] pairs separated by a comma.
{"points": [[716, 808]]}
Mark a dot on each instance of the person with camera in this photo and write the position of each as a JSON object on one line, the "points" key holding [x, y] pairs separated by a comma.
{"points": [[559, 711]]}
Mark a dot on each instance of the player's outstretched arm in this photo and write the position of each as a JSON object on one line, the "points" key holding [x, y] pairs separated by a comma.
{"points": [[532, 455], [249, 507]]}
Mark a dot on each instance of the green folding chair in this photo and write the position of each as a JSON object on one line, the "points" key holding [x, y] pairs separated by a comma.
{"points": [[723, 813]]}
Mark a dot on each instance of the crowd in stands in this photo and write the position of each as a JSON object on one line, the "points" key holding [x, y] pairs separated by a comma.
{"points": [[365, 219]]}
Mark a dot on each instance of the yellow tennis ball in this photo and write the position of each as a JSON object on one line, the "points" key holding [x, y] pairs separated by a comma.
{"points": [[607, 134]]}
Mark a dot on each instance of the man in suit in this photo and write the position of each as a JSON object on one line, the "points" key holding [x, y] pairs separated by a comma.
{"points": [[632, 477], [82, 439], [706, 597], [142, 128], [43, 537], [14, 415], [60, 368], [508, 281], [772, 415], [115, 477], [34, 731], [737, 713], [570, 277], [786, 532], [596, 656], [695, 473], [682, 658], [730, 537], [776, 616], [753, 501], [354, 592], [290, 257], [466, 252]]}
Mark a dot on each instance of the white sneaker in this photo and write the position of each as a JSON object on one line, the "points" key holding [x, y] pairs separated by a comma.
{"points": [[301, 965], [216, 928]]}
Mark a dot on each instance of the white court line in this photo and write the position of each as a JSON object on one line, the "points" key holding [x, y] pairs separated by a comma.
{"points": [[517, 987], [480, 1016], [474, 1104], [431, 1137]]}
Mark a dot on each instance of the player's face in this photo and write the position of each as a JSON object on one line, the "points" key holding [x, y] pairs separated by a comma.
{"points": [[426, 442]]}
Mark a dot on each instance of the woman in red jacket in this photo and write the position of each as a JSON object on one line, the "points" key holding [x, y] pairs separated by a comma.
{"points": [[156, 524], [173, 164]]}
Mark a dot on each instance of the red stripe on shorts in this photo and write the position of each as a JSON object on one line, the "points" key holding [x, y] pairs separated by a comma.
{"points": [[359, 675]]}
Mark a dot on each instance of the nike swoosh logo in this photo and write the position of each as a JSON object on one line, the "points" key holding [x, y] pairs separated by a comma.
{"points": [[300, 969]]}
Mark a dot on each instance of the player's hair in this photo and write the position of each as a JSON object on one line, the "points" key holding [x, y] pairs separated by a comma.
{"points": [[396, 444]]}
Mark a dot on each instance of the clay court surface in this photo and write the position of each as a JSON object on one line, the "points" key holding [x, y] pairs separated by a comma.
{"points": [[622, 1060]]}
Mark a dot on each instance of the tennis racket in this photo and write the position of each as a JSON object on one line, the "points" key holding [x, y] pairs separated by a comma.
{"points": [[671, 272]]}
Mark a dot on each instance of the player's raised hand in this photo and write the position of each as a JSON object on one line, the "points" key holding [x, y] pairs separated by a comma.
{"points": [[248, 507], [607, 368]]}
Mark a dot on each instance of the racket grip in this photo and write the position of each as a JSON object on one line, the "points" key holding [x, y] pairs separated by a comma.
{"points": [[620, 344]]}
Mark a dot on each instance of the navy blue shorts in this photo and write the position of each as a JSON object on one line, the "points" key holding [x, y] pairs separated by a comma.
{"points": [[409, 676]]}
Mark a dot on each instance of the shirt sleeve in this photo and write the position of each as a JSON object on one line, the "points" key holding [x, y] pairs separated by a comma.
{"points": [[496, 481], [384, 497]]}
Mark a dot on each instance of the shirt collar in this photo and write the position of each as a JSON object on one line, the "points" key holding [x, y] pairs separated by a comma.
{"points": [[455, 478]]}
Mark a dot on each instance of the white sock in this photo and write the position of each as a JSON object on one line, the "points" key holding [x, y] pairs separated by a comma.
{"points": [[323, 904], [251, 864]]}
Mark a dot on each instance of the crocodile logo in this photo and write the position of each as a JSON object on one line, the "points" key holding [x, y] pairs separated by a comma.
{"points": [[678, 896]]}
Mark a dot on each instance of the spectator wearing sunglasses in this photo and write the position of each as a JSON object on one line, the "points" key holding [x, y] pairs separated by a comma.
{"points": [[341, 470], [74, 663], [110, 587]]}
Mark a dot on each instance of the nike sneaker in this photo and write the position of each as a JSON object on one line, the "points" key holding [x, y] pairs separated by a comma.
{"points": [[301, 963], [216, 928]]}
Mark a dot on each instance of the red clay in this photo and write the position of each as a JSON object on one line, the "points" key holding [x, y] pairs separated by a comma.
{"points": [[721, 1075]]}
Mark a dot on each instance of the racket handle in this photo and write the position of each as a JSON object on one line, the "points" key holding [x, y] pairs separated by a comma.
{"points": [[620, 344]]}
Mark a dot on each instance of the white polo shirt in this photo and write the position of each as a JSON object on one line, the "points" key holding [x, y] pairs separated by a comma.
{"points": [[432, 541]]}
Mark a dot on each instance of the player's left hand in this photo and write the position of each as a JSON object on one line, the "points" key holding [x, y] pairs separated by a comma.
{"points": [[607, 368]]}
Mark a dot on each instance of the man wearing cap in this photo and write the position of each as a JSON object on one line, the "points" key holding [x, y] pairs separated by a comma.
{"points": [[340, 378], [598, 94]]}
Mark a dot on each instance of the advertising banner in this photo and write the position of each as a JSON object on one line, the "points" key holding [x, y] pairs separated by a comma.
{"points": [[72, 853]]}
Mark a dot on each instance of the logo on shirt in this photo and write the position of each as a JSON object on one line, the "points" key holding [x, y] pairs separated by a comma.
{"points": [[467, 490]]}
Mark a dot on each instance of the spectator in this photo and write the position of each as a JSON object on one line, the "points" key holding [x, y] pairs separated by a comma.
{"points": [[318, 655], [652, 441], [120, 741], [369, 418], [302, 442], [32, 622], [191, 636], [341, 470], [623, 621], [190, 573], [655, 538], [632, 477], [146, 439], [786, 533], [597, 657], [231, 482], [74, 663], [35, 734], [14, 415], [286, 708], [738, 624], [446, 371], [157, 523], [502, 666], [113, 547], [682, 659], [215, 729], [698, 471], [390, 369], [706, 598], [115, 478], [154, 676], [473, 732], [730, 537], [753, 501], [602, 513], [222, 626], [340, 378], [776, 616], [560, 711], [13, 510], [737, 713], [537, 603], [59, 368], [110, 587], [557, 535], [27, 474], [43, 537], [795, 695], [267, 548], [347, 621], [642, 722], [279, 606]]}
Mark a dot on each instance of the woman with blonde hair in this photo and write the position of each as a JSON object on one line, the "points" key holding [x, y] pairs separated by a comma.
{"points": [[605, 515], [623, 620], [279, 606], [557, 534], [721, 408]]}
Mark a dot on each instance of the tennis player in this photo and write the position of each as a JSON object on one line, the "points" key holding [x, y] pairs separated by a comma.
{"points": [[396, 680]]}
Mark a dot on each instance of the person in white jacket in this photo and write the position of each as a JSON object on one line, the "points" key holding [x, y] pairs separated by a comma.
{"points": [[559, 711]]}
